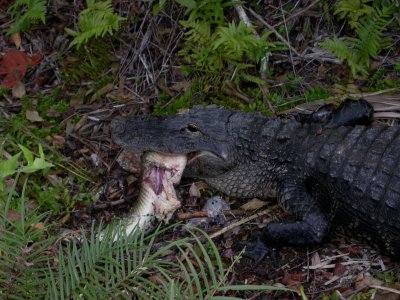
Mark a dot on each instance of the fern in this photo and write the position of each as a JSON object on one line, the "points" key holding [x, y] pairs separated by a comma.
{"points": [[215, 49], [211, 11], [358, 51], [96, 20], [26, 13], [352, 10], [237, 41], [370, 35], [342, 50]]}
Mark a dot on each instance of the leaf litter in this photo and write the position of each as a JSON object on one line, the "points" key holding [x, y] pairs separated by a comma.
{"points": [[146, 62]]}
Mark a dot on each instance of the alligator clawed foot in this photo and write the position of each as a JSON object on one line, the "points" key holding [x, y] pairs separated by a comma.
{"points": [[257, 250]]}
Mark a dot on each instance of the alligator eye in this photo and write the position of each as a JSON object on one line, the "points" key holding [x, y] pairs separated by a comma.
{"points": [[192, 128]]}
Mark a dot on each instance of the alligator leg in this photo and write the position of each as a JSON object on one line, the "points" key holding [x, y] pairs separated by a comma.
{"points": [[349, 113], [309, 228]]}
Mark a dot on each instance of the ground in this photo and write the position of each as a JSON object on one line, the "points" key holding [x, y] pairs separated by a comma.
{"points": [[64, 98]]}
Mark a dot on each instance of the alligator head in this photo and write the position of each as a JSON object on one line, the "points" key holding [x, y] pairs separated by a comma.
{"points": [[201, 133]]}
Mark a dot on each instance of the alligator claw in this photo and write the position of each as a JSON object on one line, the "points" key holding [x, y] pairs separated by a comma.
{"points": [[257, 250]]}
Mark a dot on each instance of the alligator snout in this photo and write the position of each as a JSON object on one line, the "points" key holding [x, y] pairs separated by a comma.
{"points": [[117, 126]]}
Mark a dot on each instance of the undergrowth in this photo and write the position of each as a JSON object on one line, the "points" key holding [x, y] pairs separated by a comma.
{"points": [[97, 20], [369, 24], [216, 51], [89, 63], [26, 13], [35, 264]]}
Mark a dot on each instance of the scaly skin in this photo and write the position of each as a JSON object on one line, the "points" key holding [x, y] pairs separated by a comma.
{"points": [[328, 178]]}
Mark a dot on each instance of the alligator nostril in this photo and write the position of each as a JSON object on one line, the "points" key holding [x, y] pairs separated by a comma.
{"points": [[117, 126]]}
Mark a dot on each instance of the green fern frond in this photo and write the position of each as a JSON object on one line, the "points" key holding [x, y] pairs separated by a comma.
{"points": [[26, 13], [369, 41], [253, 79], [96, 20], [236, 41], [342, 50], [353, 10], [211, 11], [370, 34]]}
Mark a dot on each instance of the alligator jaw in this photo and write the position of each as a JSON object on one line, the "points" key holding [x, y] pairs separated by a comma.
{"points": [[193, 156]]}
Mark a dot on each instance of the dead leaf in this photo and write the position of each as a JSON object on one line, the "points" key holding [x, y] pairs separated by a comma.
{"points": [[52, 113], [130, 162], [253, 204], [58, 140], [194, 191], [18, 90], [16, 37], [54, 179], [315, 259], [293, 280], [105, 89], [13, 216], [181, 86], [39, 226], [65, 219], [339, 269], [13, 64], [166, 90], [362, 281], [33, 116], [201, 185], [354, 250], [80, 123], [231, 89], [321, 70]]}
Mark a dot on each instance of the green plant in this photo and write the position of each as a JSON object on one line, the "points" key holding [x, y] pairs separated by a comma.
{"points": [[211, 11], [316, 93], [26, 13], [88, 63], [95, 21], [132, 267], [389, 276], [357, 52], [23, 241], [352, 10], [24, 249], [11, 167], [213, 49]]}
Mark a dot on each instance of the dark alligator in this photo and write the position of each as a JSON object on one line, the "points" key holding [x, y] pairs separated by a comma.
{"points": [[328, 177]]}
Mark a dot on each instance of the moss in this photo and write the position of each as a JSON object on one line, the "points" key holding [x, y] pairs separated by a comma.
{"points": [[87, 63]]}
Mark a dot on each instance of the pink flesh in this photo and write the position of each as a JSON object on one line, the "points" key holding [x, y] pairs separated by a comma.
{"points": [[153, 176]]}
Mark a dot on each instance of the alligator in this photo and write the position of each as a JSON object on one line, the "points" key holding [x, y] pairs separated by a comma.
{"points": [[329, 178]]}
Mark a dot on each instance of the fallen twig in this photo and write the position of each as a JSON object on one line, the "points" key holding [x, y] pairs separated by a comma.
{"points": [[296, 14], [384, 288], [105, 205], [205, 214], [243, 221]]}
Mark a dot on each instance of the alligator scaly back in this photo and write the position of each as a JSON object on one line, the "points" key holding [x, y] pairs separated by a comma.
{"points": [[329, 177]]}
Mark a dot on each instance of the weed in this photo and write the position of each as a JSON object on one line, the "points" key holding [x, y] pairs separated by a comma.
{"points": [[369, 24], [88, 63], [26, 13], [95, 21], [316, 93]]}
